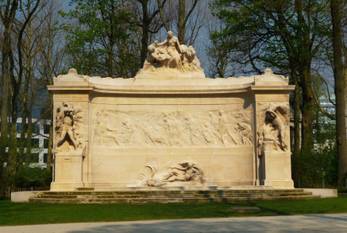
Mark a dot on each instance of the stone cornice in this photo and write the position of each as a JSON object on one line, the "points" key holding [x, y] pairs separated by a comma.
{"points": [[73, 82]]}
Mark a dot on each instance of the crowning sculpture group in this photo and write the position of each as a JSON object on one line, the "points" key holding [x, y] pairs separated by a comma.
{"points": [[223, 132], [171, 54]]}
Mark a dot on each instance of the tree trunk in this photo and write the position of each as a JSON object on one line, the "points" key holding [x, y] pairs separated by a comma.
{"points": [[8, 18], [110, 59], [307, 111], [340, 93], [5, 92], [6, 86], [297, 134], [145, 31], [303, 66], [111, 39], [181, 27]]}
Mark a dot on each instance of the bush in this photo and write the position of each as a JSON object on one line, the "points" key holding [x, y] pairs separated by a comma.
{"points": [[317, 169], [33, 178]]}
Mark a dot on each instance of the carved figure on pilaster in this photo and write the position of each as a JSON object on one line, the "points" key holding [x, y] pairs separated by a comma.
{"points": [[274, 130], [67, 136]]}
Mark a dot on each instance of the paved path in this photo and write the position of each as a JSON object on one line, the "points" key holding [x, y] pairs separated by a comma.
{"points": [[330, 223]]}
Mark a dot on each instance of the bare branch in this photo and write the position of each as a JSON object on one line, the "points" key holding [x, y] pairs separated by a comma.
{"points": [[190, 11]]}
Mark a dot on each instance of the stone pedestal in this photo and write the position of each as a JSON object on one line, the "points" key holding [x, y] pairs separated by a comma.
{"points": [[277, 169], [68, 171]]}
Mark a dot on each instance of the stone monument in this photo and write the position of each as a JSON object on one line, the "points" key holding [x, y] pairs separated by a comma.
{"points": [[170, 126]]}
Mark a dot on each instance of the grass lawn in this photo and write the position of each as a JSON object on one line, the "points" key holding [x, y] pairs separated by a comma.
{"points": [[33, 213]]}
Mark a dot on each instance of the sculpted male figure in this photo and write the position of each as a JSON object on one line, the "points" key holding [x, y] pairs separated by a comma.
{"points": [[65, 125], [274, 129], [272, 118]]}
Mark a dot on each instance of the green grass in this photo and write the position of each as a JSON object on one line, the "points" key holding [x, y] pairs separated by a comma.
{"points": [[32, 213]]}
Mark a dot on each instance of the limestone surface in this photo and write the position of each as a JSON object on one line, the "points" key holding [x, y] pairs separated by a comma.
{"points": [[188, 130]]}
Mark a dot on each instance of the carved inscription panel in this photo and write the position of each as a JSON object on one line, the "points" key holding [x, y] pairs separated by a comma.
{"points": [[120, 128]]}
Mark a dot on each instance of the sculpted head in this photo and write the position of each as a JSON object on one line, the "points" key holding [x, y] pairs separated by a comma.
{"points": [[270, 116], [170, 34]]}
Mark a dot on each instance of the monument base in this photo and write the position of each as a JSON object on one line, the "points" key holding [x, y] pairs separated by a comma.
{"points": [[272, 176], [212, 194], [68, 171], [58, 186]]}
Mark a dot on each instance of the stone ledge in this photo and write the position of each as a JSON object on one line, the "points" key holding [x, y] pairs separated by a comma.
{"points": [[197, 196], [323, 193], [23, 196]]}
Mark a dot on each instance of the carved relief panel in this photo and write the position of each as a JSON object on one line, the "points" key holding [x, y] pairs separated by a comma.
{"points": [[117, 128]]}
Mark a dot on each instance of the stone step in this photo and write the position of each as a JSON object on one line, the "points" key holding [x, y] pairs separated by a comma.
{"points": [[47, 195], [85, 189], [238, 192], [161, 200], [177, 191], [168, 196]]}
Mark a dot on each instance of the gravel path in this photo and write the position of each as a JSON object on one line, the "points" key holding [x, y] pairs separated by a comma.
{"points": [[330, 223]]}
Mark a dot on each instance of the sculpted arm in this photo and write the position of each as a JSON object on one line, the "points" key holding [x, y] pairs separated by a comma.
{"points": [[178, 46]]}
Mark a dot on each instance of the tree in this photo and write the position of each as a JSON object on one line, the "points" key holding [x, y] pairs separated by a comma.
{"points": [[105, 39], [286, 35], [183, 16], [220, 57], [149, 21], [340, 89], [12, 81], [7, 14], [51, 54]]}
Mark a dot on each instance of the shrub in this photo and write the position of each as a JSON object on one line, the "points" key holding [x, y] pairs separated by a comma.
{"points": [[317, 169], [33, 178]]}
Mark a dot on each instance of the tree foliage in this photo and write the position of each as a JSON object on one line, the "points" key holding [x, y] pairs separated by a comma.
{"points": [[286, 35], [290, 36], [29, 60], [103, 37]]}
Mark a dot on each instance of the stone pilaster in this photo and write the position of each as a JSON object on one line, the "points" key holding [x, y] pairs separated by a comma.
{"points": [[70, 135], [272, 119]]}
